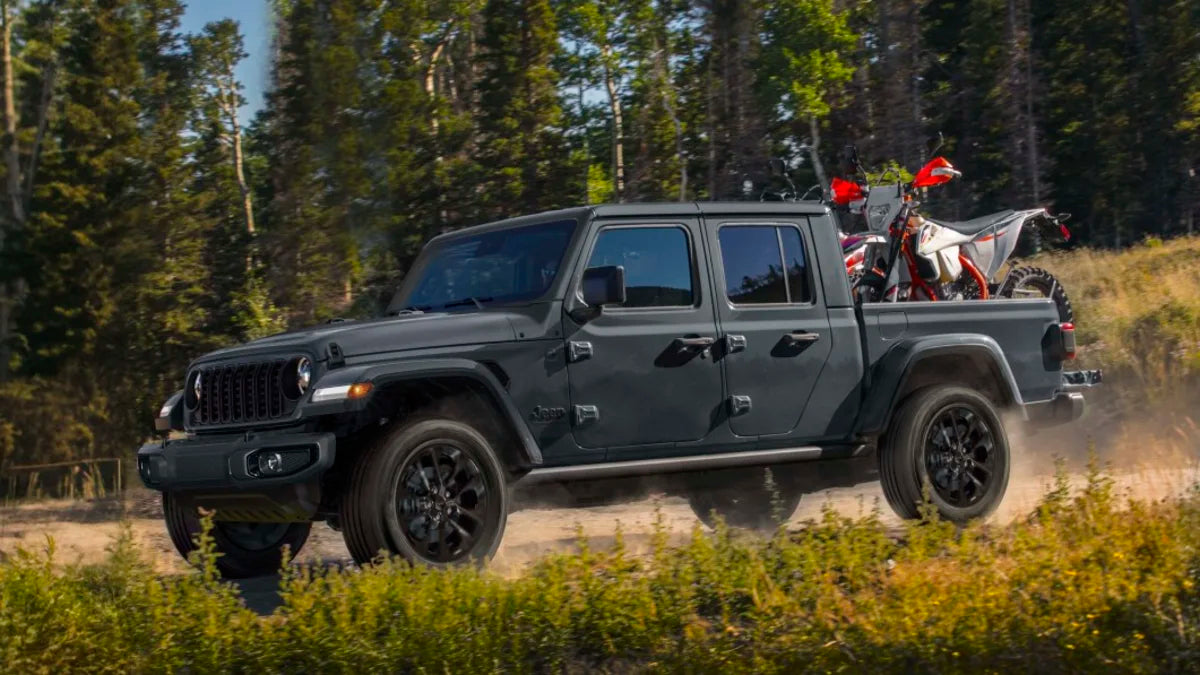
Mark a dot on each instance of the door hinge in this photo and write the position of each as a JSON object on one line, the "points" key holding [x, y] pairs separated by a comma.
{"points": [[578, 351], [586, 414], [738, 405], [735, 343]]}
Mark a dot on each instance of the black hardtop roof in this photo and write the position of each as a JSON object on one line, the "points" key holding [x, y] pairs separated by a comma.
{"points": [[650, 209]]}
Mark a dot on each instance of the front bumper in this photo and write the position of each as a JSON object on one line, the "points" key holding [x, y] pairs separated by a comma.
{"points": [[229, 463]]}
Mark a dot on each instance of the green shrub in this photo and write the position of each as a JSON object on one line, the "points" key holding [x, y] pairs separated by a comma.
{"points": [[1086, 583]]}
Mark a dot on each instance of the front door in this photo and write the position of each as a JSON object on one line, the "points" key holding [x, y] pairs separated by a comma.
{"points": [[643, 372], [773, 321]]}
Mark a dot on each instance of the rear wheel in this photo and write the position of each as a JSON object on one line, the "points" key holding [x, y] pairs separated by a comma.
{"points": [[246, 549], [952, 439], [1035, 282], [432, 492]]}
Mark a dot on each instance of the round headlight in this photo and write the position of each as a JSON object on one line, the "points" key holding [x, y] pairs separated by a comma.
{"points": [[303, 374], [197, 388]]}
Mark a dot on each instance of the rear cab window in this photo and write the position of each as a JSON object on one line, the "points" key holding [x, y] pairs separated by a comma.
{"points": [[765, 265]]}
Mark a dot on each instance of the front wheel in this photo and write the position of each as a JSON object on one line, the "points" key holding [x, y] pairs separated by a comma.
{"points": [[1035, 282], [951, 439], [432, 492], [246, 549]]}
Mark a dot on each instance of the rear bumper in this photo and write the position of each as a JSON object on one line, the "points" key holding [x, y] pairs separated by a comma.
{"points": [[1065, 407], [1068, 405], [229, 463]]}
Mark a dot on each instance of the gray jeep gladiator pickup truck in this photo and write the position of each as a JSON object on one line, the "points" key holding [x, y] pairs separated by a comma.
{"points": [[595, 353]]}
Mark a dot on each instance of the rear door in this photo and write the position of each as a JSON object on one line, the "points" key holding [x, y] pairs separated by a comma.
{"points": [[772, 318], [643, 373]]}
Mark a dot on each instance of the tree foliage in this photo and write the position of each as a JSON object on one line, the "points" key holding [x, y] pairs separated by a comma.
{"points": [[144, 218]]}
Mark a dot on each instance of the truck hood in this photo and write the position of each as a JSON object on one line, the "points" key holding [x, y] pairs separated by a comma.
{"points": [[374, 336]]}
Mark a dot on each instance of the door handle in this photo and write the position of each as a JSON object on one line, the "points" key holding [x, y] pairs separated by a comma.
{"points": [[696, 344], [801, 337]]}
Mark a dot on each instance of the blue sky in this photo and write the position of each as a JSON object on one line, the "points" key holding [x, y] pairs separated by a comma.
{"points": [[254, 18]]}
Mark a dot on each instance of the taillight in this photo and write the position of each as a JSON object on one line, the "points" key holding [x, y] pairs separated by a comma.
{"points": [[1058, 344], [1066, 333]]}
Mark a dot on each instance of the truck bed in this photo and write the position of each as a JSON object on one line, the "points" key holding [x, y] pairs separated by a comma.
{"points": [[1018, 328]]}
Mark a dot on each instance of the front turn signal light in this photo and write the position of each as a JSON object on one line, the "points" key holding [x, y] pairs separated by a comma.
{"points": [[351, 392]]}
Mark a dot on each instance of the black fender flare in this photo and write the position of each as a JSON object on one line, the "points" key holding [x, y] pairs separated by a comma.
{"points": [[383, 374], [890, 375]]}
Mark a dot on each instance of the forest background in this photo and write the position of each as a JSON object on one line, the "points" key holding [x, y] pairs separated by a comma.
{"points": [[142, 223]]}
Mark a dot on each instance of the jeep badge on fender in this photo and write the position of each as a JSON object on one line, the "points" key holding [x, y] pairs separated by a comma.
{"points": [[541, 414]]}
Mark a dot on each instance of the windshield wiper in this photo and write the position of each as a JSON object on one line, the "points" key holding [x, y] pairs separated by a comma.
{"points": [[478, 302]]}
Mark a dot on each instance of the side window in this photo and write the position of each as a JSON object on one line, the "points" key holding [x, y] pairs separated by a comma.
{"points": [[657, 262], [764, 264]]}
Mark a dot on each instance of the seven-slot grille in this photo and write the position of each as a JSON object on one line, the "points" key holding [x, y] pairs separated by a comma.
{"points": [[242, 392]]}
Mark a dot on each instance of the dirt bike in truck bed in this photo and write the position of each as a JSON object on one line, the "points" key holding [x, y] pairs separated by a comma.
{"points": [[591, 353]]}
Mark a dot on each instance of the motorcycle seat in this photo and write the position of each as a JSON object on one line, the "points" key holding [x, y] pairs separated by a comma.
{"points": [[973, 227]]}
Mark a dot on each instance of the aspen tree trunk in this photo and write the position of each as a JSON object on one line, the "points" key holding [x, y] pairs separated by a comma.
{"points": [[435, 58], [11, 149], [814, 149], [614, 105], [228, 102], [667, 90], [680, 155], [239, 172], [9, 292]]}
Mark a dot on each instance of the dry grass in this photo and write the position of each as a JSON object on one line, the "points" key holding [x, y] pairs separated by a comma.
{"points": [[1138, 316]]}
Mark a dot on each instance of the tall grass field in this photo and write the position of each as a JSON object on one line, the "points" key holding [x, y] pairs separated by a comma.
{"points": [[1090, 581]]}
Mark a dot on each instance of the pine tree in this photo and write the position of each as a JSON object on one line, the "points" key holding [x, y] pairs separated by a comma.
{"points": [[1092, 134], [804, 65], [519, 117], [659, 170], [242, 304], [736, 127], [311, 138], [599, 28]]}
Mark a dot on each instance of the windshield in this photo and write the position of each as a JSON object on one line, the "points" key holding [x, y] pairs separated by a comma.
{"points": [[509, 265]]}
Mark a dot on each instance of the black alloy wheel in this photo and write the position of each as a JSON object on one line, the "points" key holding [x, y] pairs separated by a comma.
{"points": [[431, 491], [960, 455], [440, 502], [951, 439]]}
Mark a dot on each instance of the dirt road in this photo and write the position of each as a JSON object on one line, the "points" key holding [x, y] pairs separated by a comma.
{"points": [[1157, 468]]}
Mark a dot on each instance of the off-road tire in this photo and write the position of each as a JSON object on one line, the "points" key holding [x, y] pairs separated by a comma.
{"points": [[371, 523], [1042, 281], [236, 560], [903, 457], [747, 503]]}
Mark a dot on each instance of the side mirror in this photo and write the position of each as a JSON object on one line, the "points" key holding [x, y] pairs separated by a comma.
{"points": [[604, 286]]}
